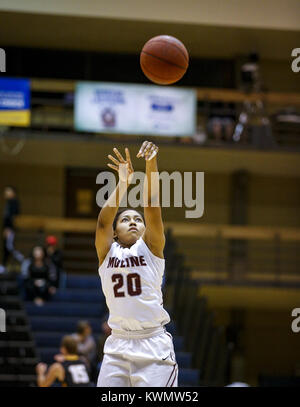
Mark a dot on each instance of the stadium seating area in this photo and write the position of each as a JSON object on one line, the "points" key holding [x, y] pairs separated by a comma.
{"points": [[18, 356]]}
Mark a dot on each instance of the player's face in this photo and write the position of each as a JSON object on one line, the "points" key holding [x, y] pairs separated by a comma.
{"points": [[130, 227]]}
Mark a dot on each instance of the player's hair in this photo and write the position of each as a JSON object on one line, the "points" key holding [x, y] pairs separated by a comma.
{"points": [[119, 213], [81, 326], [70, 344]]}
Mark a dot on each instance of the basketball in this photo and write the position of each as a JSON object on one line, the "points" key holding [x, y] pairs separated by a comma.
{"points": [[164, 59]]}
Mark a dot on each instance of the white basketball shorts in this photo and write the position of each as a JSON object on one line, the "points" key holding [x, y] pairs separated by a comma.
{"points": [[135, 359]]}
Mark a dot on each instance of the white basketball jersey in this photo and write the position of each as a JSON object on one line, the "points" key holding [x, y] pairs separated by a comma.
{"points": [[131, 281]]}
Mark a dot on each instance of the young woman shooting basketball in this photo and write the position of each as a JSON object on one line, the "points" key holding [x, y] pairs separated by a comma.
{"points": [[139, 352]]}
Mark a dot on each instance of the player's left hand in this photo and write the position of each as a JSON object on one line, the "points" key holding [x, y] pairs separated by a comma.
{"points": [[125, 174], [41, 368], [148, 150]]}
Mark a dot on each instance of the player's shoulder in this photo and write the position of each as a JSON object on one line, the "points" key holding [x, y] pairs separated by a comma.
{"points": [[157, 255], [105, 256]]}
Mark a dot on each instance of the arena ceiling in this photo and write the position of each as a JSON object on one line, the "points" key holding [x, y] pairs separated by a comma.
{"points": [[128, 36]]}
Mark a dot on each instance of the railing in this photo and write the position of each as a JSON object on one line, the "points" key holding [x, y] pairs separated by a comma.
{"points": [[217, 115], [219, 253]]}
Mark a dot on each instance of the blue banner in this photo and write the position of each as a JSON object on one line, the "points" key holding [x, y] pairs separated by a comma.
{"points": [[14, 102]]}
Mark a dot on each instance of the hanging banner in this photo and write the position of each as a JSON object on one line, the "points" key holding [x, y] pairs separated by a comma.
{"points": [[14, 102], [135, 109]]}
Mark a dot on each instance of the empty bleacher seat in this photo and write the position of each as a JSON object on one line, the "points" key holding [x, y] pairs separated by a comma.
{"points": [[84, 282], [78, 295], [184, 359], [17, 349], [61, 324], [66, 309], [17, 333], [47, 354], [188, 377], [10, 302], [49, 339], [178, 343]]}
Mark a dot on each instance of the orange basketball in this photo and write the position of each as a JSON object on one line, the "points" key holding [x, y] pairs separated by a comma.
{"points": [[164, 59]]}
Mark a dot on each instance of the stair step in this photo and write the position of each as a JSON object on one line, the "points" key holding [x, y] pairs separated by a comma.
{"points": [[17, 349], [16, 318], [79, 294], [67, 309], [16, 335], [184, 359], [50, 339], [17, 369], [10, 380], [83, 281], [81, 265], [22, 361], [61, 324], [178, 343], [9, 288], [11, 302], [188, 377]]}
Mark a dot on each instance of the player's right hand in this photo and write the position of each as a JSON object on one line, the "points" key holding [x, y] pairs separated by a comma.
{"points": [[148, 150], [123, 167]]}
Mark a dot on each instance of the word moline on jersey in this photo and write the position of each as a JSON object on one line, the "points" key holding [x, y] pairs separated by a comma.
{"points": [[131, 281]]}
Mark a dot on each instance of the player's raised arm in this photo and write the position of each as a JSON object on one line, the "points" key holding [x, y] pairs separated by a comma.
{"points": [[154, 234], [104, 229]]}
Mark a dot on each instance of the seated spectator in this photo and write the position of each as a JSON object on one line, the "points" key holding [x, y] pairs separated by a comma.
{"points": [[71, 371], [56, 257], [36, 272], [85, 340], [87, 346]]}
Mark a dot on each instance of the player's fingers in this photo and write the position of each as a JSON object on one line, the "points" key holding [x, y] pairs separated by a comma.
{"points": [[127, 154], [113, 159], [128, 159], [118, 154], [114, 167], [149, 149], [140, 153], [152, 155], [146, 149]]}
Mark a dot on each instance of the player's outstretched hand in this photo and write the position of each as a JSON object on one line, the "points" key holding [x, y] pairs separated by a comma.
{"points": [[123, 167], [148, 150], [41, 368]]}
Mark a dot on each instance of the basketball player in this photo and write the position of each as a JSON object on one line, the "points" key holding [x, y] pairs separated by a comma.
{"points": [[139, 352], [71, 372]]}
